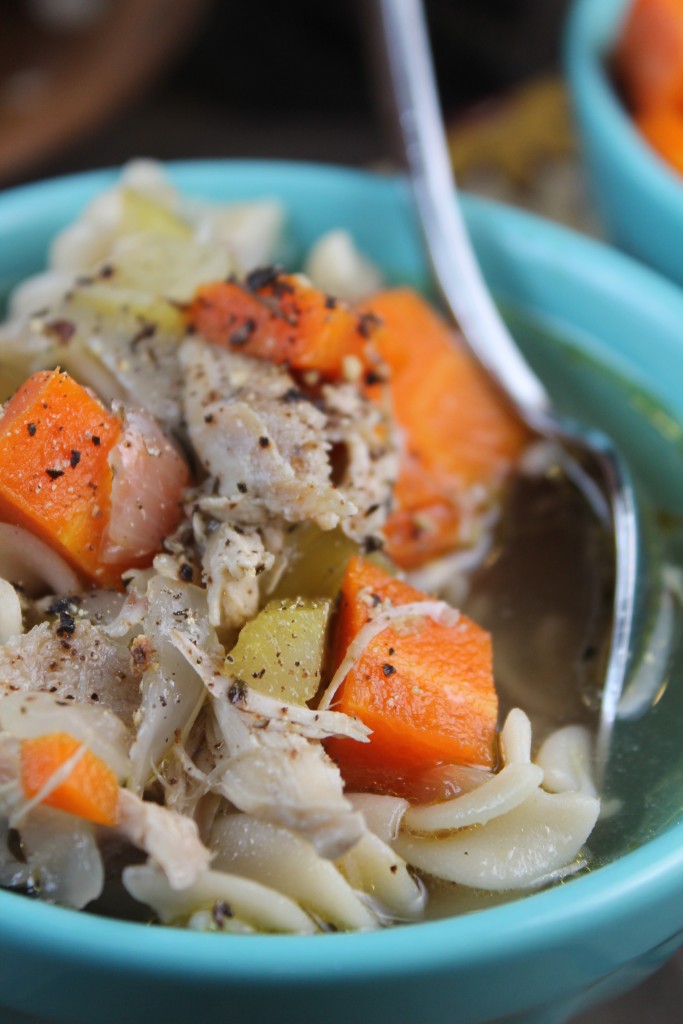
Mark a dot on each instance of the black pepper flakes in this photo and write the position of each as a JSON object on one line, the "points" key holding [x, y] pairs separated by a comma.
{"points": [[95, 440], [293, 395], [261, 277], [54, 474], [388, 669], [75, 458], [367, 324], [66, 625], [147, 330], [237, 692], [186, 572], [243, 333], [372, 544], [242, 488], [221, 912], [31, 427], [264, 441]]}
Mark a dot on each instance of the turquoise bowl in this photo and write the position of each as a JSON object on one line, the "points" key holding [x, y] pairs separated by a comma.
{"points": [[582, 313], [637, 195]]}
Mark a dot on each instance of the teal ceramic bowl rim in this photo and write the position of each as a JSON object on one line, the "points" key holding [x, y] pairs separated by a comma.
{"points": [[617, 893], [590, 33]]}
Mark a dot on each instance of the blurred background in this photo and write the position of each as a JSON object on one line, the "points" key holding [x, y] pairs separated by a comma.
{"points": [[92, 83], [88, 83]]}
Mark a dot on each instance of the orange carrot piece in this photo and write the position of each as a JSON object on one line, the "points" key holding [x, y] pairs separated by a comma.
{"points": [[459, 433], [90, 791], [282, 319], [55, 477], [663, 129], [649, 54], [426, 691]]}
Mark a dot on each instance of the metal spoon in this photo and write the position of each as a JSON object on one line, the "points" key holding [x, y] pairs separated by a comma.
{"points": [[594, 471]]}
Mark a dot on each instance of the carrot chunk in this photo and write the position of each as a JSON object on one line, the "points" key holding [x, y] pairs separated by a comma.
{"points": [[55, 477], [424, 688], [90, 790], [649, 54], [460, 437], [282, 318]]}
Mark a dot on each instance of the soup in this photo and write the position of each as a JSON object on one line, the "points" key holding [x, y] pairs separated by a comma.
{"points": [[212, 758]]}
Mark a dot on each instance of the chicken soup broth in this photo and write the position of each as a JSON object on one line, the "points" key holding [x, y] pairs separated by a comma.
{"points": [[242, 688]]}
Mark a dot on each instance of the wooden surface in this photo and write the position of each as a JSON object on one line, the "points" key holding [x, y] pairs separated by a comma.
{"points": [[58, 82]]}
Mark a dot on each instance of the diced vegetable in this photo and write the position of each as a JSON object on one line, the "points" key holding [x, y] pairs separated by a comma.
{"points": [[317, 560], [55, 477], [424, 688], [280, 652], [140, 212], [117, 303], [649, 54], [165, 266], [101, 490], [90, 789], [460, 436], [282, 318]]}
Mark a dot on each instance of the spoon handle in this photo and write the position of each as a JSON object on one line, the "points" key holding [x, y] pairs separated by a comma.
{"points": [[404, 49]]}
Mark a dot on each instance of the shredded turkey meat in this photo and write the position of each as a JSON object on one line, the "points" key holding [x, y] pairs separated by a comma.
{"points": [[268, 448]]}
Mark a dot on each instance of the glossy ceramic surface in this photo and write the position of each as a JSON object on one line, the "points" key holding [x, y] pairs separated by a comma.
{"points": [[638, 196], [582, 313]]}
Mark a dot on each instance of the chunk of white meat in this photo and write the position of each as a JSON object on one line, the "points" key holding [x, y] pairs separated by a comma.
{"points": [[290, 781], [82, 665], [259, 438], [228, 899], [232, 561], [368, 452], [170, 839]]}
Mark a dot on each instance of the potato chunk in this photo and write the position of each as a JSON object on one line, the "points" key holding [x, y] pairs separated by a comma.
{"points": [[280, 652]]}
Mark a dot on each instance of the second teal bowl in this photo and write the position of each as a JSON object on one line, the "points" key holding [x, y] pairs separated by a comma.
{"points": [[638, 196]]}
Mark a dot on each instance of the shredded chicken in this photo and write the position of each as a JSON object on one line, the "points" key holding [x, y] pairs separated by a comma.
{"points": [[267, 765], [232, 561], [369, 448], [261, 440], [171, 840]]}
